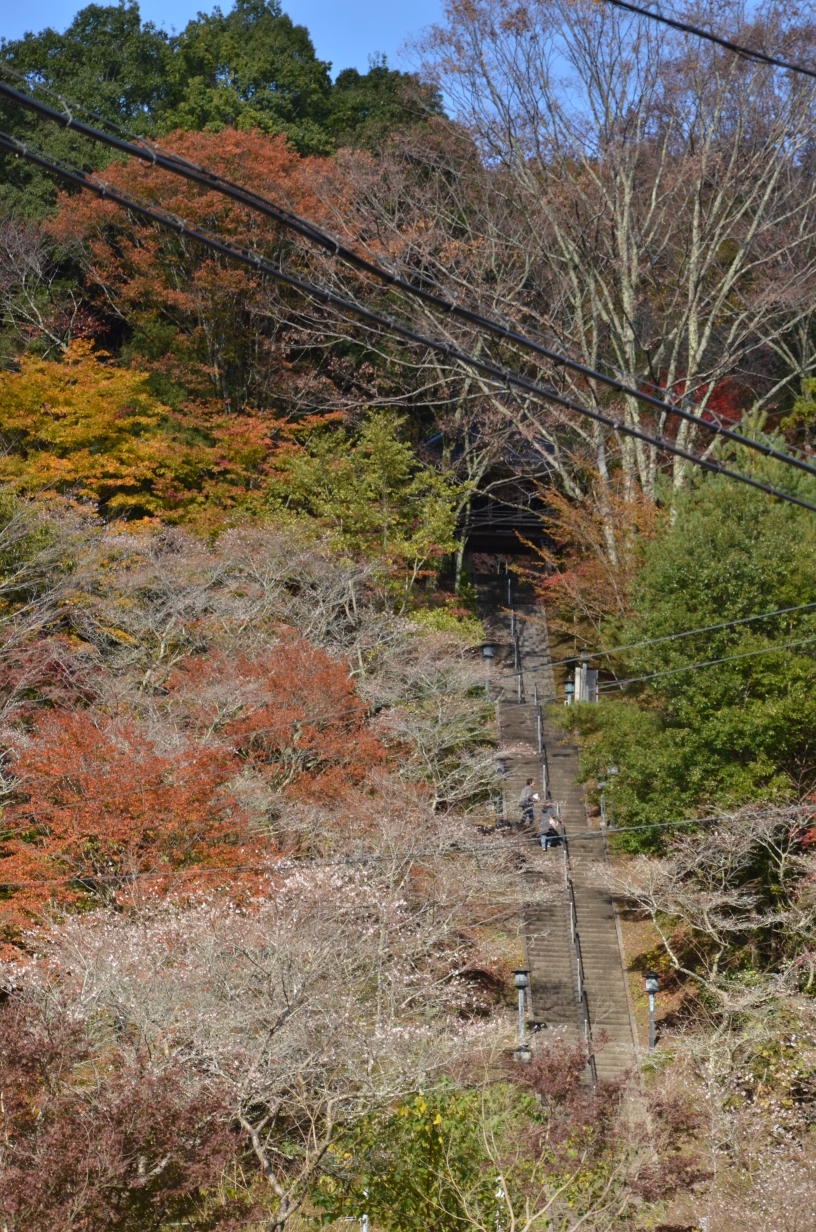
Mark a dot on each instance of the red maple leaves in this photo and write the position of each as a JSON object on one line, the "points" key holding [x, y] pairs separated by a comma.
{"points": [[98, 802]]}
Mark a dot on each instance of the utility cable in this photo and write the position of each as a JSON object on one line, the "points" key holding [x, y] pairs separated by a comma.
{"points": [[501, 376], [784, 811], [656, 641], [254, 201], [689, 667], [611, 685], [747, 53], [283, 864], [289, 864]]}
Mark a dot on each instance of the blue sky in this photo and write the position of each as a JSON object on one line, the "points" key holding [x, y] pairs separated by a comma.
{"points": [[346, 32]]}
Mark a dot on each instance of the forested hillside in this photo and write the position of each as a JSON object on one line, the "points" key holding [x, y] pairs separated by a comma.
{"points": [[262, 886]]}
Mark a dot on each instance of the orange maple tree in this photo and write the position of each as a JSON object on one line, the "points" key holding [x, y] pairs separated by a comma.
{"points": [[592, 557], [214, 327], [293, 714], [96, 805]]}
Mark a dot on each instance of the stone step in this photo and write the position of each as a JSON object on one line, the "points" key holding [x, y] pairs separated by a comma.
{"points": [[549, 948]]}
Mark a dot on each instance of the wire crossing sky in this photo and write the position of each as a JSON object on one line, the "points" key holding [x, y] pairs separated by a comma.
{"points": [[611, 685], [666, 637], [747, 53], [151, 153], [503, 377]]}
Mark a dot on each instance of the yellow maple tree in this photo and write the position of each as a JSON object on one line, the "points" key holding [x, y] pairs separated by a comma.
{"points": [[85, 428]]}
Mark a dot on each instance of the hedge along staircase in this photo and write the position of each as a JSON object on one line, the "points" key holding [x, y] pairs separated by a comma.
{"points": [[571, 935]]}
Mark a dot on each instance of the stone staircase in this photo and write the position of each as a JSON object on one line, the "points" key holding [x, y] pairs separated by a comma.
{"points": [[571, 934], [604, 981], [550, 953]]}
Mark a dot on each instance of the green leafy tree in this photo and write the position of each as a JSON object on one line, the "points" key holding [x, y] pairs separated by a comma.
{"points": [[108, 61], [534, 1157], [253, 68], [736, 731], [365, 108], [395, 1167], [370, 489], [249, 68]]}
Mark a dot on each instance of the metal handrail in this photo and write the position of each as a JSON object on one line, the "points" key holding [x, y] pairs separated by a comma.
{"points": [[576, 941]]}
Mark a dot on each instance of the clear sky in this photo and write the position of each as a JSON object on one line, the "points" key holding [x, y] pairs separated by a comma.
{"points": [[346, 32]]}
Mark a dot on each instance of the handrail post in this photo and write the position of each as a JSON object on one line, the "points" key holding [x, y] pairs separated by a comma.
{"points": [[576, 941]]}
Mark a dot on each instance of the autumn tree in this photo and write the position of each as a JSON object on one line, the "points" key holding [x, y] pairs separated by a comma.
{"points": [[288, 714], [591, 558], [175, 710], [104, 1140], [203, 325], [90, 806], [86, 428], [250, 67], [94, 804], [206, 325], [604, 131]]}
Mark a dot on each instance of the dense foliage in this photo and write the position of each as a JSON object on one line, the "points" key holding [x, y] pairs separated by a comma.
{"points": [[194, 735], [147, 1147], [257, 937], [372, 492], [94, 431], [535, 1146], [249, 68], [694, 737], [202, 325]]}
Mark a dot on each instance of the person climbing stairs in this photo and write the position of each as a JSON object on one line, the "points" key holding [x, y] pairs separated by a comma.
{"points": [[571, 935]]}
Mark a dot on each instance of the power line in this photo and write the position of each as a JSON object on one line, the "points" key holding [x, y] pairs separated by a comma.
{"points": [[656, 641], [288, 864], [783, 811], [701, 821], [726, 624], [500, 376], [611, 685], [747, 53], [689, 667], [177, 165], [285, 864]]}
